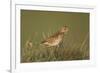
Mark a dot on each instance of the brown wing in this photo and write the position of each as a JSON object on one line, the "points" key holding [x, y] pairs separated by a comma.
{"points": [[52, 38], [49, 40]]}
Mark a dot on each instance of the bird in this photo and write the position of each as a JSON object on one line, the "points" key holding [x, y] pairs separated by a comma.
{"points": [[56, 38]]}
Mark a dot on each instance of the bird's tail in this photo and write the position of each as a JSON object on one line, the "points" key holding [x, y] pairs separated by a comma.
{"points": [[41, 44]]}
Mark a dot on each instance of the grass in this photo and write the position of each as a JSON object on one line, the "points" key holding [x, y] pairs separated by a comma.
{"points": [[68, 50]]}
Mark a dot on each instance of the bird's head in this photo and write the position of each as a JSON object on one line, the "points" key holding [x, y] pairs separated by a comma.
{"points": [[64, 29]]}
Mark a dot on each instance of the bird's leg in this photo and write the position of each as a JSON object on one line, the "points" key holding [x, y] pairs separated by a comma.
{"points": [[58, 46], [61, 45]]}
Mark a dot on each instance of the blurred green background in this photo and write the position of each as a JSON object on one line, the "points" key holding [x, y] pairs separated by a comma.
{"points": [[36, 23]]}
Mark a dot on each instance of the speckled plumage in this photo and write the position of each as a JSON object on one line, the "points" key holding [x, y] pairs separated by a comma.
{"points": [[56, 38]]}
